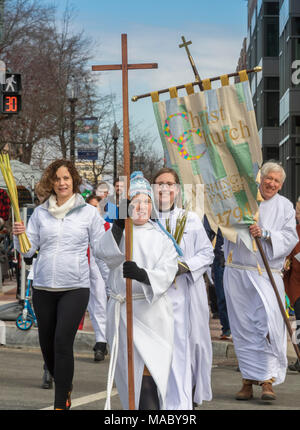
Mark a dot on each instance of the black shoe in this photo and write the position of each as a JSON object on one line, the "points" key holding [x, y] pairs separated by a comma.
{"points": [[100, 351], [295, 366], [47, 380]]}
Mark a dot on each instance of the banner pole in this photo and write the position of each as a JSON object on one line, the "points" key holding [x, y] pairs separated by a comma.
{"points": [[281, 307], [181, 87]]}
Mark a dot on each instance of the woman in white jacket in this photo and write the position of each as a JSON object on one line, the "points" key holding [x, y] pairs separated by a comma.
{"points": [[61, 229]]}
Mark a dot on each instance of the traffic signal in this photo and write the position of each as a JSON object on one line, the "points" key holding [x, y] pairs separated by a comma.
{"points": [[10, 94]]}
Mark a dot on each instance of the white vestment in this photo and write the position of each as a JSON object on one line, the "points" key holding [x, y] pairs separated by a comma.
{"points": [[98, 301], [192, 357], [256, 323], [153, 323]]}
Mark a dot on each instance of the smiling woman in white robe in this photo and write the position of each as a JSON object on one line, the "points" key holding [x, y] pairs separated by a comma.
{"points": [[153, 324], [192, 357]]}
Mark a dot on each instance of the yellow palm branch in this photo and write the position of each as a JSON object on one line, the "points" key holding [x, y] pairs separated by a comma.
{"points": [[13, 195]]}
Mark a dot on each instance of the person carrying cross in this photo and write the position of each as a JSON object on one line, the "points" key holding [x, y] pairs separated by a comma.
{"points": [[152, 270]]}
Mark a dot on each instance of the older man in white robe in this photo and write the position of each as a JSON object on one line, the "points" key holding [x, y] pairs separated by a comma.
{"points": [[258, 328]]}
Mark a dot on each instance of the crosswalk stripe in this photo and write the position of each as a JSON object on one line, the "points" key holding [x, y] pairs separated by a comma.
{"points": [[86, 399]]}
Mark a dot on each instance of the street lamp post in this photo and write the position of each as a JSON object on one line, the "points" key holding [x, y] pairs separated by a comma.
{"points": [[72, 99], [131, 149], [115, 133]]}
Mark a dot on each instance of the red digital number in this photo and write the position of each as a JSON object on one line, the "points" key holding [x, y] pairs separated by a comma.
{"points": [[11, 104]]}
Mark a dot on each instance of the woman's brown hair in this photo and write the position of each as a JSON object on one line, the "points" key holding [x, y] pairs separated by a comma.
{"points": [[49, 175], [40, 192], [166, 170]]}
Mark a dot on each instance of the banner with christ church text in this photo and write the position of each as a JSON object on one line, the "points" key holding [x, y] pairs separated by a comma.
{"points": [[211, 138]]}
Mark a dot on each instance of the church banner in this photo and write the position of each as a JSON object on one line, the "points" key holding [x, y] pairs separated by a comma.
{"points": [[87, 138], [210, 138]]}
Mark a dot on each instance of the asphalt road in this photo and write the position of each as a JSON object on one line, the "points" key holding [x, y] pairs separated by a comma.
{"points": [[21, 377]]}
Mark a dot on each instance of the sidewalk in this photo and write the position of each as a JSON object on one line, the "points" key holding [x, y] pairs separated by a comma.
{"points": [[85, 339]]}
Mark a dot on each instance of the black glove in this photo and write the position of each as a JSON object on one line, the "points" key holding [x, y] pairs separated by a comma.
{"points": [[132, 271], [182, 268], [28, 260]]}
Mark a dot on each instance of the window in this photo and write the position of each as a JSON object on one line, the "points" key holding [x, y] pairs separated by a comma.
{"points": [[296, 49], [271, 8], [271, 109], [271, 83], [258, 112], [296, 26], [271, 38], [272, 153], [296, 128]]}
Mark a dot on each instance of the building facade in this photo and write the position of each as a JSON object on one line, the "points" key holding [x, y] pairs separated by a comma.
{"points": [[273, 42]]}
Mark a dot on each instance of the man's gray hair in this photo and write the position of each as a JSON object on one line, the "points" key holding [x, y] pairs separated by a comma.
{"points": [[271, 166]]}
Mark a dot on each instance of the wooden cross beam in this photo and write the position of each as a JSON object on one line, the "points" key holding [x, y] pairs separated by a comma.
{"points": [[185, 45], [125, 67]]}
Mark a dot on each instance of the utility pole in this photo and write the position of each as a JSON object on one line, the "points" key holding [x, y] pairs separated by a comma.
{"points": [[1, 19]]}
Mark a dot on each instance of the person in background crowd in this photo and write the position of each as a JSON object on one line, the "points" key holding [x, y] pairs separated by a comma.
{"points": [[4, 205], [102, 190], [41, 195], [217, 274], [98, 298], [292, 284], [111, 209], [62, 229], [257, 326]]}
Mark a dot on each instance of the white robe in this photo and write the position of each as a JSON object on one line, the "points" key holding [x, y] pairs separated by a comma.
{"points": [[153, 323], [192, 358], [252, 306], [98, 301]]}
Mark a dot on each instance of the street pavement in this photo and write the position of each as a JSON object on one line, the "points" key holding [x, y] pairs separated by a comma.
{"points": [[21, 369], [21, 372]]}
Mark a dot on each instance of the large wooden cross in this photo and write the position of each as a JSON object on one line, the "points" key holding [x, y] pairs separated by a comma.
{"points": [[125, 67]]}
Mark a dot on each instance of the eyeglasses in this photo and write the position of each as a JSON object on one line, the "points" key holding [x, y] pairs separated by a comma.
{"points": [[168, 185]]}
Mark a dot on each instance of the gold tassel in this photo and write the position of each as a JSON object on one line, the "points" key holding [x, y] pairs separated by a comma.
{"points": [[206, 84], [173, 92], [189, 89], [229, 258], [259, 197], [243, 75], [155, 97], [259, 269], [224, 80]]}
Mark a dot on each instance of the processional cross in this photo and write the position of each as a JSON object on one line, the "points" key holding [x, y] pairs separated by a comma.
{"points": [[125, 67], [185, 45]]}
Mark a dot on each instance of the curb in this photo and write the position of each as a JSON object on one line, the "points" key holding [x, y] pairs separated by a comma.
{"points": [[223, 349], [85, 341]]}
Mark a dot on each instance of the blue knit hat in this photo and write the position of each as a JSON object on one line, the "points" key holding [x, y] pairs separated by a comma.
{"points": [[140, 185]]}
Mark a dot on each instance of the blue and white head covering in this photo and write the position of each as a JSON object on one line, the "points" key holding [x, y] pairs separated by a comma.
{"points": [[140, 185]]}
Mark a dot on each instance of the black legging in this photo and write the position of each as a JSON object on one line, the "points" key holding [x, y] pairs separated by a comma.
{"points": [[58, 316]]}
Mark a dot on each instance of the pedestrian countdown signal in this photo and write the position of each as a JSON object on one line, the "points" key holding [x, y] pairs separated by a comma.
{"points": [[10, 97], [11, 104]]}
